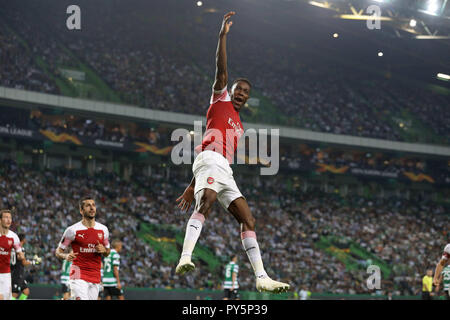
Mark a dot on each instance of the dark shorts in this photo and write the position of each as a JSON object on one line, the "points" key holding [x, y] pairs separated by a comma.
{"points": [[231, 294], [18, 284], [426, 295], [112, 291], [65, 288]]}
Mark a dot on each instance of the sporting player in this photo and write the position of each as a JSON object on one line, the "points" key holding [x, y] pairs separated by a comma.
{"points": [[441, 265], [444, 278], [65, 276], [213, 177], [89, 241], [8, 241], [19, 284], [231, 284], [111, 280]]}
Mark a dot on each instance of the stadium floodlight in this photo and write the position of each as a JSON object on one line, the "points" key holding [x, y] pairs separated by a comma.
{"points": [[380, 54], [335, 35], [433, 7], [325, 5], [199, 3], [413, 23], [443, 76]]}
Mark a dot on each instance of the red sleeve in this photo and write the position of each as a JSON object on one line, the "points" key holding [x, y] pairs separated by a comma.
{"points": [[221, 95]]}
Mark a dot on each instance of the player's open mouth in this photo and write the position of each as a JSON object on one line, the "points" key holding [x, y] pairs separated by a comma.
{"points": [[240, 100]]}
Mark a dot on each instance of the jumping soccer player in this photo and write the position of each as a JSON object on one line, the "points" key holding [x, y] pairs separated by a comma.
{"points": [[231, 284], [8, 241], [213, 176], [111, 280], [19, 284], [90, 242]]}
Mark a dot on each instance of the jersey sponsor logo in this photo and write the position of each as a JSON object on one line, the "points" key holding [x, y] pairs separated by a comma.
{"points": [[210, 180], [3, 252], [89, 249]]}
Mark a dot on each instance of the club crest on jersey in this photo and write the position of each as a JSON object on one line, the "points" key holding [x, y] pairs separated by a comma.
{"points": [[100, 235], [210, 180], [10, 242]]}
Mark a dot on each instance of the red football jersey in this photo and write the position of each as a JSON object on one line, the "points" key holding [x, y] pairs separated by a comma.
{"points": [[223, 126], [7, 242], [87, 264]]}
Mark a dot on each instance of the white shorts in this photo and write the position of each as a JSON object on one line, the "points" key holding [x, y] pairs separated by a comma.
{"points": [[211, 170], [5, 286], [83, 290]]}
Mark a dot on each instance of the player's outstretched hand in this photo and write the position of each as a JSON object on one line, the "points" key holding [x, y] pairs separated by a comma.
{"points": [[226, 23], [186, 199]]}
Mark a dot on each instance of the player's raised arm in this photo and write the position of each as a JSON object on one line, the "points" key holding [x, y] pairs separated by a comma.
{"points": [[441, 264], [437, 273], [221, 53]]}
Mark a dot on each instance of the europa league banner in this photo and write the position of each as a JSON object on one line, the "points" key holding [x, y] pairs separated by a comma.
{"points": [[401, 175], [47, 135]]}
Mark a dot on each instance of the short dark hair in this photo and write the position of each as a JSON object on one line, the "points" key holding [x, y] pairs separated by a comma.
{"points": [[115, 242], [4, 211], [21, 236], [242, 79], [82, 199]]}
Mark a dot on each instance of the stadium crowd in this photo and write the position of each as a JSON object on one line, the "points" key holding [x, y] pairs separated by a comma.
{"points": [[144, 70], [407, 235]]}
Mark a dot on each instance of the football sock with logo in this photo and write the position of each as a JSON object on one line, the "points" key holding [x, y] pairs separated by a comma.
{"points": [[193, 229], [254, 255]]}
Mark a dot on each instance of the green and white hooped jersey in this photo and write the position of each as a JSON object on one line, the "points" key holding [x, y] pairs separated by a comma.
{"points": [[65, 272], [109, 262], [229, 270], [446, 278]]}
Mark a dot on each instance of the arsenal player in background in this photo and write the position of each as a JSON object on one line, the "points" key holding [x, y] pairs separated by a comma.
{"points": [[89, 241], [213, 176], [8, 240]]}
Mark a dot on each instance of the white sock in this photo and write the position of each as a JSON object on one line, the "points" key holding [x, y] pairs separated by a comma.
{"points": [[193, 229], [254, 255]]}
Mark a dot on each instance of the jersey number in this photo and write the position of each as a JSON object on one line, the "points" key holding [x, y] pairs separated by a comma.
{"points": [[108, 265], [13, 257]]}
